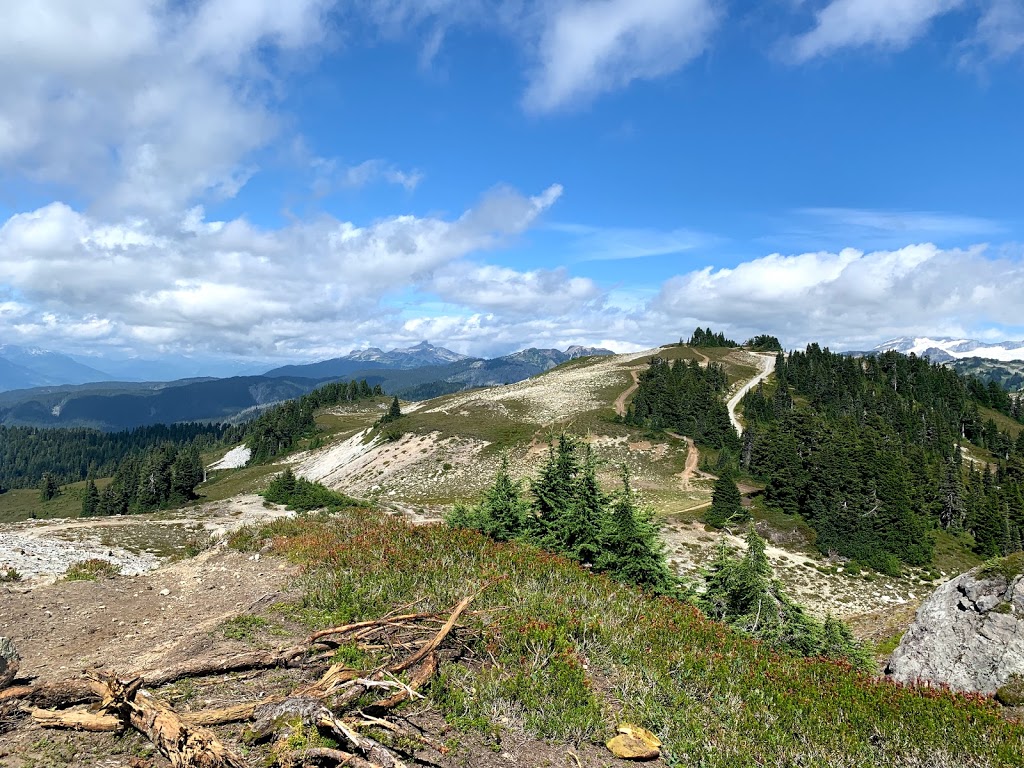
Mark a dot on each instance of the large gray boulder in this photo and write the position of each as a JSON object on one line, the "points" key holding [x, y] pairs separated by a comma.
{"points": [[969, 634]]}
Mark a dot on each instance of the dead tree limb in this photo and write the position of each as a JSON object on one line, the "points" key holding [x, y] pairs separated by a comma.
{"points": [[77, 721], [216, 665], [317, 637], [184, 745]]}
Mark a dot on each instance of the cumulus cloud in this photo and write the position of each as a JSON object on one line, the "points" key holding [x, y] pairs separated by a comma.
{"points": [[588, 48], [552, 292], [888, 24], [576, 49], [154, 104], [234, 286], [852, 298]]}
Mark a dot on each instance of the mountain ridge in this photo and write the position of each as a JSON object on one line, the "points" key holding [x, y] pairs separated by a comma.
{"points": [[943, 349]]}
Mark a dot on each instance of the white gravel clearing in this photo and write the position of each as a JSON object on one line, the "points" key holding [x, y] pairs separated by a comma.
{"points": [[34, 556], [233, 459]]}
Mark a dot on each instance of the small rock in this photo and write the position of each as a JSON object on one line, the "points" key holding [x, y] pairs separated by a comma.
{"points": [[164, 592], [634, 743]]}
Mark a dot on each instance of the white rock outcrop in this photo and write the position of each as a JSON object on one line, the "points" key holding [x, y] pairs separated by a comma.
{"points": [[968, 635]]}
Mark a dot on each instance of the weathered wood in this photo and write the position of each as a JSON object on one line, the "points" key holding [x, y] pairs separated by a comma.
{"points": [[77, 721], [369, 748], [216, 665], [381, 622], [62, 693], [184, 745], [426, 670], [438, 638]]}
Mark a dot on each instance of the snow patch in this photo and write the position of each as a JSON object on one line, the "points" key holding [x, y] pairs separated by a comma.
{"points": [[233, 459]]}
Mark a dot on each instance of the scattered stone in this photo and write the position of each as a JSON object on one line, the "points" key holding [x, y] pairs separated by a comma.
{"points": [[164, 592], [634, 743]]}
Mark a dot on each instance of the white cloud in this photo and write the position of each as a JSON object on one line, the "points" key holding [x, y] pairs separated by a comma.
{"points": [[576, 49], [852, 298], [614, 243], [589, 48], [904, 222], [140, 104], [999, 33], [888, 24], [231, 286], [550, 292]]}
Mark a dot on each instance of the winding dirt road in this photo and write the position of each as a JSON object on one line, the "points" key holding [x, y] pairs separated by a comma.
{"points": [[767, 363], [620, 401]]}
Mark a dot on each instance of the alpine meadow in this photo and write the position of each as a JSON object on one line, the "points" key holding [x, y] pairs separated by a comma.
{"points": [[511, 383]]}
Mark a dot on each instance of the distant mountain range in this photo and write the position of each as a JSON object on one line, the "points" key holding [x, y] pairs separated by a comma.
{"points": [[417, 372], [943, 350], [23, 367]]}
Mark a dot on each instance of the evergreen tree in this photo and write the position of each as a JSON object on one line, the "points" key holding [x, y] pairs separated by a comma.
{"points": [[581, 522], [502, 511], [48, 487], [91, 500], [394, 412], [726, 503], [186, 474], [633, 550]]}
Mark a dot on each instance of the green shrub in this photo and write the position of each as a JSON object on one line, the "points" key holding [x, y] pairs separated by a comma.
{"points": [[92, 569], [302, 495]]}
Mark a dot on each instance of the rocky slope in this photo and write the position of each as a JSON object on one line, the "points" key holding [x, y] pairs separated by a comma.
{"points": [[969, 634]]}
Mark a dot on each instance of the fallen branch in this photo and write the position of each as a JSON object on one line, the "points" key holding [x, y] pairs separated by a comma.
{"points": [[77, 721], [184, 745], [317, 637], [236, 662]]}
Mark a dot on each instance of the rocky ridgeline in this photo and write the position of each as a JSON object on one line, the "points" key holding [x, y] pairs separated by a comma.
{"points": [[969, 634]]}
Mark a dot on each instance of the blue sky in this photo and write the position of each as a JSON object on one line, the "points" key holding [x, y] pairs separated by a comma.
{"points": [[253, 180]]}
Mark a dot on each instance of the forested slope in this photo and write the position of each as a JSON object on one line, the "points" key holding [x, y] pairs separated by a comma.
{"points": [[869, 451]]}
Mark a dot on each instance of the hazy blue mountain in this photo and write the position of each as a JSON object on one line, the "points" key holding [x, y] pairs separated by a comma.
{"points": [[13, 376], [125, 406], [34, 367], [172, 367]]}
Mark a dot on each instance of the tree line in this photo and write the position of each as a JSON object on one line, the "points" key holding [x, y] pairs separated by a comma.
{"points": [[684, 397], [165, 476], [32, 457], [705, 337], [72, 455], [869, 451]]}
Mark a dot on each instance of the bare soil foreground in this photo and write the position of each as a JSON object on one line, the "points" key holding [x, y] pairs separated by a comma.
{"points": [[214, 605]]}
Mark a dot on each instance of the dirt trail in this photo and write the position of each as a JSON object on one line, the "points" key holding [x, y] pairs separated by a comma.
{"points": [[767, 365], [692, 459], [620, 401]]}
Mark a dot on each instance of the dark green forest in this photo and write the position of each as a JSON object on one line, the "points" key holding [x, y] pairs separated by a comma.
{"points": [[27, 454], [277, 431], [687, 398], [72, 455], [869, 452], [705, 337]]}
